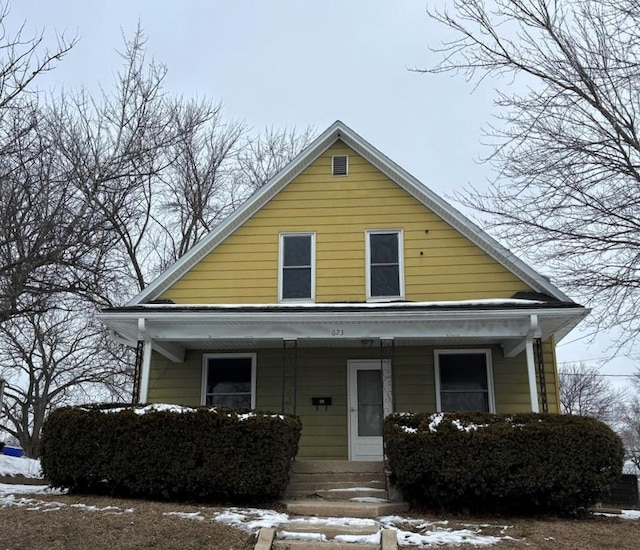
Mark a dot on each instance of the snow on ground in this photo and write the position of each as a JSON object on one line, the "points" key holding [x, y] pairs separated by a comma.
{"points": [[11, 489], [13, 466], [410, 531], [8, 499], [625, 514]]}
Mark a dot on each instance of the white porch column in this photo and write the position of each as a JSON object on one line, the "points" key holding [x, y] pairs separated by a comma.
{"points": [[146, 369], [531, 370]]}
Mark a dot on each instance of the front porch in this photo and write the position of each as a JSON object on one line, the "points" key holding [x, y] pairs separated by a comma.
{"points": [[328, 362]]}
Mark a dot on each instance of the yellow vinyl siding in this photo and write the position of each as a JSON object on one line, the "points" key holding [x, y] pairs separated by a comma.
{"points": [[322, 372], [439, 263]]}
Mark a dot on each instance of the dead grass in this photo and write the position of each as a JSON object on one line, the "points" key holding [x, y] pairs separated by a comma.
{"points": [[144, 528], [148, 528], [594, 533]]}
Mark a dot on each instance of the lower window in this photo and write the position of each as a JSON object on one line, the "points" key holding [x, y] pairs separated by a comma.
{"points": [[229, 380], [464, 381]]}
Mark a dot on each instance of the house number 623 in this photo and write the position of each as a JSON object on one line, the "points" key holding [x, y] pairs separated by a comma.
{"points": [[337, 332]]}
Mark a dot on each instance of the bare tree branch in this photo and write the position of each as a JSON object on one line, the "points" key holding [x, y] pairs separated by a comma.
{"points": [[565, 141]]}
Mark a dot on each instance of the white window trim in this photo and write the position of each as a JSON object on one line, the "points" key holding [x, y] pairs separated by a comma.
{"points": [[333, 174], [367, 240], [487, 354], [205, 362], [312, 298]]}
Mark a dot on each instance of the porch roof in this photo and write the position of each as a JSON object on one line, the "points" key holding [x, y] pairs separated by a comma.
{"points": [[172, 328]]}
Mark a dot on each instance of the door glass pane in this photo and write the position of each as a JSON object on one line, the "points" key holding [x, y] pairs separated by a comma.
{"points": [[369, 402]]}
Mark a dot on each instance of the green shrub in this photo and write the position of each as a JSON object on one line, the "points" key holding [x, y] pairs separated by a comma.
{"points": [[520, 463], [204, 453]]}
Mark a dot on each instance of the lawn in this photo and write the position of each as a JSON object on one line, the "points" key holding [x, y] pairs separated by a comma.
{"points": [[39, 521], [34, 518]]}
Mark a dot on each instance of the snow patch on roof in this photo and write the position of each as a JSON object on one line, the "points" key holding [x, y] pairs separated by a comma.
{"points": [[347, 305]]}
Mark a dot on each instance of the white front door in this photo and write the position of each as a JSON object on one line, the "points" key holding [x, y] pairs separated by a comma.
{"points": [[369, 402]]}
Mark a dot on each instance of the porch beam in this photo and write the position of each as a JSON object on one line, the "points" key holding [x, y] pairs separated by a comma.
{"points": [[511, 348], [172, 351]]}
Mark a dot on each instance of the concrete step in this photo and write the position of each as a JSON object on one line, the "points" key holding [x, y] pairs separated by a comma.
{"points": [[350, 494], [361, 537], [336, 466], [324, 508], [301, 483], [320, 545], [330, 531]]}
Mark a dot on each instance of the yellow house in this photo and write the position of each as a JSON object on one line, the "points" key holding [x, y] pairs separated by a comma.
{"points": [[343, 290]]}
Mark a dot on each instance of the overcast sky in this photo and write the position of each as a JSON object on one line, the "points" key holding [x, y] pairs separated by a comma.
{"points": [[298, 63]]}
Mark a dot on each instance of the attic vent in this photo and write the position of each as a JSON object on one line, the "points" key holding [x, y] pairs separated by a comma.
{"points": [[339, 165]]}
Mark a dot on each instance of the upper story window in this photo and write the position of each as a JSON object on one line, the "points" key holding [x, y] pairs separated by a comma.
{"points": [[385, 277], [297, 266], [464, 380]]}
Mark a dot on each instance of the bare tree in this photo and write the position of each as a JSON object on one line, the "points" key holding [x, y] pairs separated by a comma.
{"points": [[52, 359], [25, 58], [99, 194], [583, 391], [263, 156], [200, 184], [115, 148], [160, 171], [47, 231], [33, 249], [566, 140]]}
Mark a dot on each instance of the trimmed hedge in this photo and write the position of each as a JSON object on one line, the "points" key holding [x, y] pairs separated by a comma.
{"points": [[210, 454], [520, 463]]}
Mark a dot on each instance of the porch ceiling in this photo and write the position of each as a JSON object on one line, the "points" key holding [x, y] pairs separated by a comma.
{"points": [[174, 329]]}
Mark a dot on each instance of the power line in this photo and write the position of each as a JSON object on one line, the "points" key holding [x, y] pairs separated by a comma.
{"points": [[598, 374]]}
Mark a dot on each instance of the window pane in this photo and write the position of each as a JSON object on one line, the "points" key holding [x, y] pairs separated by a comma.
{"points": [[229, 381], [463, 382], [384, 248], [297, 250], [296, 282], [385, 280], [463, 372], [238, 401], [461, 401]]}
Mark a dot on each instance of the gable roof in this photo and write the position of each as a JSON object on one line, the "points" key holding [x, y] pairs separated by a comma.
{"points": [[340, 131]]}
